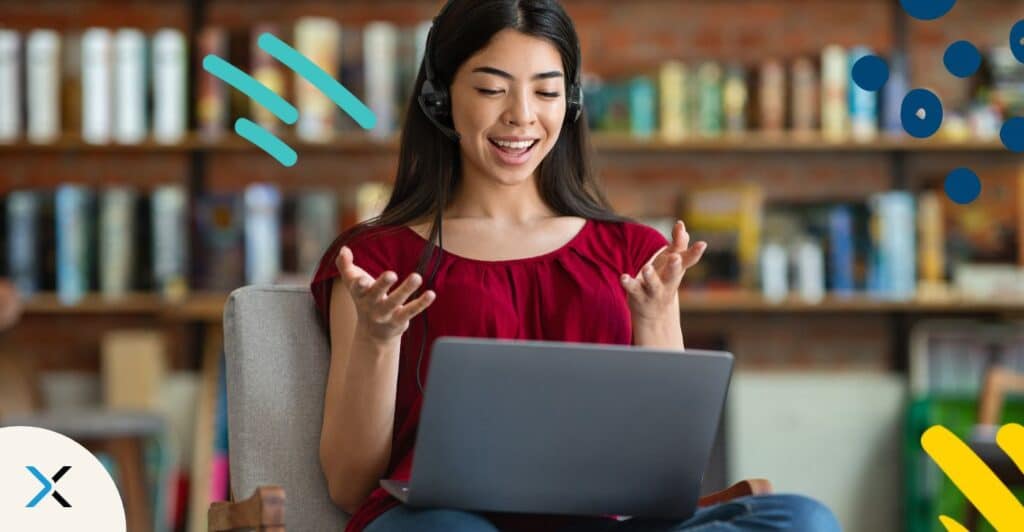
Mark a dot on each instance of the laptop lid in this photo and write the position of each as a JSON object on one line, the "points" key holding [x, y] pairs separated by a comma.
{"points": [[567, 428]]}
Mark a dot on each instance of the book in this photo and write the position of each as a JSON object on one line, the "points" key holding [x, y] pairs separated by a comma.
{"points": [[735, 99], [97, 86], [170, 241], [220, 225], [211, 92], [863, 104], [893, 269], [74, 244], [841, 250], [835, 80], [10, 86], [116, 241], [727, 217], [931, 245], [43, 78], [806, 98], [709, 82], [893, 92], [316, 227], [129, 86], [641, 107], [269, 72], [380, 42], [23, 242], [262, 234], [771, 95], [672, 101], [352, 71], [169, 86], [319, 39], [133, 364]]}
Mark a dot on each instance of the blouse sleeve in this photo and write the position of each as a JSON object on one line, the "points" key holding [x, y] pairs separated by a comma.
{"points": [[642, 242], [368, 252]]}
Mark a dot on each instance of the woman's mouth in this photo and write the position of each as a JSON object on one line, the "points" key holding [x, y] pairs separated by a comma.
{"points": [[513, 153]]}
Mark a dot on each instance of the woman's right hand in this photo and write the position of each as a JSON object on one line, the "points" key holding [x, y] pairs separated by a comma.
{"points": [[383, 317]]}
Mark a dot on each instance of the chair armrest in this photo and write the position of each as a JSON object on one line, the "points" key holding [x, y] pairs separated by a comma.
{"points": [[263, 511], [743, 488]]}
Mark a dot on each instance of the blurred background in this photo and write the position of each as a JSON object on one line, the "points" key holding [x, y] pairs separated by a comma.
{"points": [[862, 304]]}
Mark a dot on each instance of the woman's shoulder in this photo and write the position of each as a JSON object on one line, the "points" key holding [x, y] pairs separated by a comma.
{"points": [[634, 241]]}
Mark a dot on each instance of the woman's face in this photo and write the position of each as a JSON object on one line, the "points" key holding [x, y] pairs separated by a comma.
{"points": [[508, 104]]}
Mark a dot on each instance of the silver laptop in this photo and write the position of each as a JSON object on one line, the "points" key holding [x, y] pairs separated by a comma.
{"points": [[565, 428]]}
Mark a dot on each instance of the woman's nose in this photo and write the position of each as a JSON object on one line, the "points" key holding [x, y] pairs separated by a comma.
{"points": [[520, 110]]}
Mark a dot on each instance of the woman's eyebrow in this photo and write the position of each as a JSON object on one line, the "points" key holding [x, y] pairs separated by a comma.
{"points": [[506, 75]]}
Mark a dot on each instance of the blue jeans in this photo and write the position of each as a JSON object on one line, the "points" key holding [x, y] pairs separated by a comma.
{"points": [[778, 511]]}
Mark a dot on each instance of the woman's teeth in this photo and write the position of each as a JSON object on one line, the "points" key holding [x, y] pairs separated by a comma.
{"points": [[513, 146]]}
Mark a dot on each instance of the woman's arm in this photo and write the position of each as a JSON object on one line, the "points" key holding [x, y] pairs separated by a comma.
{"points": [[359, 406]]}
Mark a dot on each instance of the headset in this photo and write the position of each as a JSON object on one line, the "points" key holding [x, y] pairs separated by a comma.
{"points": [[436, 104]]}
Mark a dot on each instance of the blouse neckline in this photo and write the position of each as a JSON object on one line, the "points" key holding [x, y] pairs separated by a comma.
{"points": [[557, 251]]}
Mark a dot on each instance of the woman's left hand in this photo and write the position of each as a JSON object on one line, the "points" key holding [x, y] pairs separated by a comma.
{"points": [[655, 289]]}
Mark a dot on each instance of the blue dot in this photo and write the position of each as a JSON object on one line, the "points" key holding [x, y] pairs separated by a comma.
{"points": [[927, 9], [1012, 134], [921, 113], [1017, 40], [962, 186], [870, 73], [962, 59]]}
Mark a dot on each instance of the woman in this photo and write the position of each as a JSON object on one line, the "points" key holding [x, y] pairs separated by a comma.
{"points": [[529, 249]]}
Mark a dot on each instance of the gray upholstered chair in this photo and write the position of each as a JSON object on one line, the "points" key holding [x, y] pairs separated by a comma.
{"points": [[277, 357]]}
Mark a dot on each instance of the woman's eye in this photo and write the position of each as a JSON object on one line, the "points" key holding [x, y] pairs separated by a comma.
{"points": [[548, 94], [489, 91]]}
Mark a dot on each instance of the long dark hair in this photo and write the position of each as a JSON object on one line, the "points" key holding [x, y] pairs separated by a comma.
{"points": [[429, 165]]}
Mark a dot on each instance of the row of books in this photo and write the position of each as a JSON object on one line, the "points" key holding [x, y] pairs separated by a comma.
{"points": [[76, 240], [950, 357], [806, 96], [125, 86], [895, 245]]}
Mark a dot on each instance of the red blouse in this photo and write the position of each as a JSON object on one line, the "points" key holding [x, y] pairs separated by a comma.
{"points": [[534, 298]]}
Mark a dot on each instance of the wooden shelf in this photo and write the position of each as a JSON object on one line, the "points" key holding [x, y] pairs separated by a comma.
{"points": [[602, 142], [209, 306]]}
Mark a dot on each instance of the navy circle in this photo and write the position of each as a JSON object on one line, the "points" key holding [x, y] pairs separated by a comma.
{"points": [[927, 9], [962, 59], [870, 73], [962, 186], [1016, 35], [919, 99], [1012, 134]]}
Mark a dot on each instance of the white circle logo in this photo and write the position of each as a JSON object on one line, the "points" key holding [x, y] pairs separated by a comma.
{"points": [[50, 482]]}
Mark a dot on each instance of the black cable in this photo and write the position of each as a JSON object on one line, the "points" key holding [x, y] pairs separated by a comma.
{"points": [[429, 285]]}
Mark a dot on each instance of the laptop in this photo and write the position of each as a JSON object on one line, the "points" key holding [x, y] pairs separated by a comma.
{"points": [[565, 428]]}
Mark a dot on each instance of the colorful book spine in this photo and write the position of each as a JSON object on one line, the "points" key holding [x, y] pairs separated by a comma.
{"points": [[806, 98], [641, 107], [170, 56], [170, 241], [319, 39], [672, 101], [317, 226], [97, 90], [42, 77], [211, 92], [380, 41], [129, 86], [352, 72], [835, 81], [220, 222], [116, 240], [269, 72], [772, 95], [893, 92], [863, 104], [931, 250], [894, 266], [841, 249], [10, 86], [262, 234], [709, 78], [73, 246], [734, 100], [23, 211]]}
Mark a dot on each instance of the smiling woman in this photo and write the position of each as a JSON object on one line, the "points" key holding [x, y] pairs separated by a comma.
{"points": [[495, 148]]}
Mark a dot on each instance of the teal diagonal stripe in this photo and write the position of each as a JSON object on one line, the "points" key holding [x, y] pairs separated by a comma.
{"points": [[266, 141], [245, 83], [320, 79]]}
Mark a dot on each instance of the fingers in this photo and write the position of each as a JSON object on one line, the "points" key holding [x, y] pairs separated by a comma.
{"points": [[632, 286], [680, 238], [404, 290], [350, 273], [410, 310], [652, 281], [692, 256], [378, 290]]}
